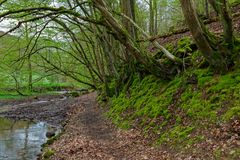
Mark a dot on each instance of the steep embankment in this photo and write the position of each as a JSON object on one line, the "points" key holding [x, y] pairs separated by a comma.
{"points": [[196, 114]]}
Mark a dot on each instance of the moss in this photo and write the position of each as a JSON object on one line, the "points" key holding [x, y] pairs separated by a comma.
{"points": [[125, 124], [170, 47], [48, 154], [184, 45], [224, 82], [149, 99], [217, 153], [196, 57], [231, 113], [234, 154], [178, 134], [202, 81], [196, 108], [157, 107], [203, 72]]}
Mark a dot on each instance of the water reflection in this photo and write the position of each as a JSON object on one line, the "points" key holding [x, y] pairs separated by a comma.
{"points": [[21, 140]]}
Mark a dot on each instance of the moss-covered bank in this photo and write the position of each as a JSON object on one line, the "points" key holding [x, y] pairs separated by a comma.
{"points": [[178, 112]]}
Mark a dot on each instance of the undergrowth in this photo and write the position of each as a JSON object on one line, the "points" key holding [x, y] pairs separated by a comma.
{"points": [[175, 113], [172, 111]]}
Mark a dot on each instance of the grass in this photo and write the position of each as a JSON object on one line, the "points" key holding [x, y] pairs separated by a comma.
{"points": [[16, 96], [38, 89]]}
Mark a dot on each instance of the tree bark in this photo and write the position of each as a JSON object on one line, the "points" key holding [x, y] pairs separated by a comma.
{"points": [[222, 9], [155, 17], [207, 9], [127, 8], [151, 19], [125, 38], [201, 37]]}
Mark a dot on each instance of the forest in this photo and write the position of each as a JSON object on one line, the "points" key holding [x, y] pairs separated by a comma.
{"points": [[120, 79]]}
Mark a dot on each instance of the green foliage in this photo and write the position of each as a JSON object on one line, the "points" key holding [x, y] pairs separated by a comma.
{"points": [[214, 93], [217, 153], [184, 45], [232, 112], [170, 47], [224, 82], [235, 153], [204, 80], [14, 68], [8, 92], [48, 154], [234, 2], [178, 133], [145, 100], [215, 98], [149, 100], [196, 108], [10, 96]]}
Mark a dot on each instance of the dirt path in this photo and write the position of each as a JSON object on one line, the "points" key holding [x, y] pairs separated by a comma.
{"points": [[89, 136]]}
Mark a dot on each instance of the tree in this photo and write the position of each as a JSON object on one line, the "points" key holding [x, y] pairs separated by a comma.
{"points": [[222, 9], [217, 53], [207, 12], [153, 17]]}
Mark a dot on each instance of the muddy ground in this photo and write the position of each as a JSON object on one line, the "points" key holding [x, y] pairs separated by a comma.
{"points": [[49, 108]]}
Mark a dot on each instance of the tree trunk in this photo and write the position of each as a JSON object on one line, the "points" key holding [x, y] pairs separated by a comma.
{"points": [[155, 17], [29, 63], [207, 9], [151, 19], [127, 8], [126, 39], [222, 9], [202, 37]]}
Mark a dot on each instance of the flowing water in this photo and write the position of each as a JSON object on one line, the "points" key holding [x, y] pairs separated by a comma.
{"points": [[21, 140]]}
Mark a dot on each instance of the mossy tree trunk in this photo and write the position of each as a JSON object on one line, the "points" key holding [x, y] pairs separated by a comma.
{"points": [[127, 8], [207, 13], [206, 42], [222, 9], [121, 34]]}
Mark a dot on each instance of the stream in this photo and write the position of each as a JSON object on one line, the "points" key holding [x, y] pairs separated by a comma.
{"points": [[21, 140]]}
